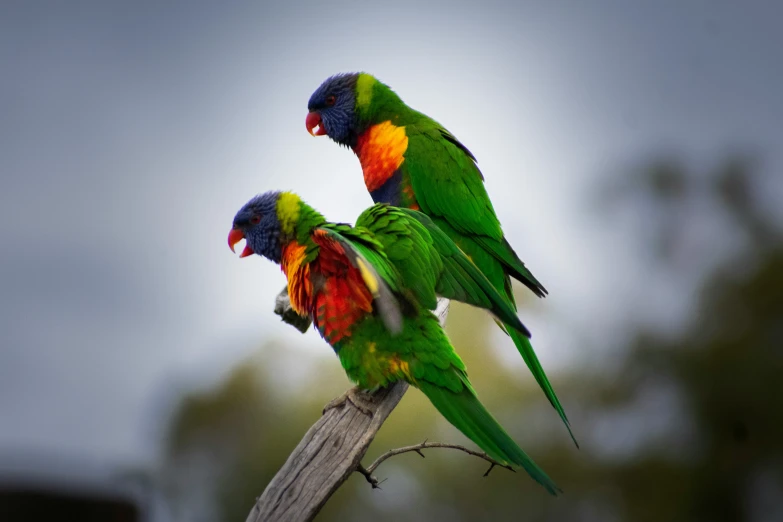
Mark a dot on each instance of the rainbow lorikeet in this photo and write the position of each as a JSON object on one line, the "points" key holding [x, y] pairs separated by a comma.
{"points": [[369, 290], [410, 160]]}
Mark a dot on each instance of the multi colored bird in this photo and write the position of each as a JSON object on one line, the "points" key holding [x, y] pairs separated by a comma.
{"points": [[410, 160], [369, 290]]}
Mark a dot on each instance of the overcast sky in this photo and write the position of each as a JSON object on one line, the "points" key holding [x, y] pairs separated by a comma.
{"points": [[131, 133]]}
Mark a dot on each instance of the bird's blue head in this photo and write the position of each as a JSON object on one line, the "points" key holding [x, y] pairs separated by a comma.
{"points": [[259, 225], [333, 109]]}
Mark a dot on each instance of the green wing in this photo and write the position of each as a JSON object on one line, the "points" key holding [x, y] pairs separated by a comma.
{"points": [[449, 186], [431, 264], [407, 249]]}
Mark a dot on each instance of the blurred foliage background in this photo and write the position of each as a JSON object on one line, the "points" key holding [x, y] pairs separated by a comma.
{"points": [[676, 426]]}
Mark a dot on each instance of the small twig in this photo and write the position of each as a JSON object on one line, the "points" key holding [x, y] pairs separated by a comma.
{"points": [[375, 483]]}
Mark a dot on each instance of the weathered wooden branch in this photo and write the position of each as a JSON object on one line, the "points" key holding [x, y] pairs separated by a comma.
{"points": [[331, 449], [375, 483]]}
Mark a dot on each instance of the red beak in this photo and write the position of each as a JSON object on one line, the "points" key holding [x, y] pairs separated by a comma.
{"points": [[234, 237], [312, 121]]}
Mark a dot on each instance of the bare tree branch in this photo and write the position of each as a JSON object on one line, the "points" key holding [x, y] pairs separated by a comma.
{"points": [[331, 449], [367, 472]]}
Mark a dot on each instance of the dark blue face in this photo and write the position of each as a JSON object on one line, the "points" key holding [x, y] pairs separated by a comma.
{"points": [[334, 102], [258, 222]]}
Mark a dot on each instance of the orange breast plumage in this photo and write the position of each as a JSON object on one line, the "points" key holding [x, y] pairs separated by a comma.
{"points": [[300, 287], [380, 150]]}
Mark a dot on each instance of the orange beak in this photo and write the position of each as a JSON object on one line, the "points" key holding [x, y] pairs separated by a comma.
{"points": [[312, 121], [234, 237]]}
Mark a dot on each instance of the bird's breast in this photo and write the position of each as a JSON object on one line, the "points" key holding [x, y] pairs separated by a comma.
{"points": [[381, 149], [300, 288]]}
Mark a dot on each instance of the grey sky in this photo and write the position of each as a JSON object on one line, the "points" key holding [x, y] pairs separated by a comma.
{"points": [[131, 133]]}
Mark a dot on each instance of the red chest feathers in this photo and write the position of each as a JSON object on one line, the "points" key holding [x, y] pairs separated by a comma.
{"points": [[329, 289]]}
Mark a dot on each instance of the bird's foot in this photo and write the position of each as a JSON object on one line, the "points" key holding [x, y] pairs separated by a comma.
{"points": [[356, 396]]}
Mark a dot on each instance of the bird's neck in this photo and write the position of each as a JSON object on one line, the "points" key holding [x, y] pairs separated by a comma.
{"points": [[297, 218]]}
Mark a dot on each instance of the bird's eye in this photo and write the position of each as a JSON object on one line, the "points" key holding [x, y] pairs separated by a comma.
{"points": [[331, 100], [256, 219]]}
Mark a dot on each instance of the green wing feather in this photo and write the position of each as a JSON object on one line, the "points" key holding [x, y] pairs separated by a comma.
{"points": [[405, 247], [462, 280], [503, 252], [449, 185], [431, 264]]}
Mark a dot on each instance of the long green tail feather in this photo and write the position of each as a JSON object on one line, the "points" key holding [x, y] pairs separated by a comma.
{"points": [[490, 262], [531, 359], [468, 415]]}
